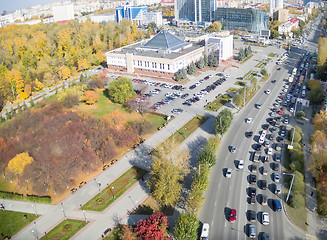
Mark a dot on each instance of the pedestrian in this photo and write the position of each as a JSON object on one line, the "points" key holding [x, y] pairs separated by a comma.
{"points": [[142, 178], [311, 194]]}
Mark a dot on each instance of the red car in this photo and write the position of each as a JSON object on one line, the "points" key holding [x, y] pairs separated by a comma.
{"points": [[232, 215], [280, 112]]}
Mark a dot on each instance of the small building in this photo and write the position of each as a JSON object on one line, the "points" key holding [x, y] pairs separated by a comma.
{"points": [[162, 56], [281, 15], [63, 12], [101, 18], [287, 27]]}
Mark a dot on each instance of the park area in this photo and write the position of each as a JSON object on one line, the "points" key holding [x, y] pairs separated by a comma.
{"points": [[218, 103], [65, 230], [113, 191]]}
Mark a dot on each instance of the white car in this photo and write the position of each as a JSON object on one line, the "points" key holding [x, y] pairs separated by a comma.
{"points": [[284, 90], [227, 76], [265, 218], [240, 164], [268, 91], [291, 110], [269, 151], [229, 173], [205, 231], [248, 120], [286, 86]]}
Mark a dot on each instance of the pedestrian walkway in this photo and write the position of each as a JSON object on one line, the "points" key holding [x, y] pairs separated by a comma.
{"points": [[51, 215]]}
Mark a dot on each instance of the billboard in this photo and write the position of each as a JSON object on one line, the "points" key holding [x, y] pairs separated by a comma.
{"points": [[265, 33]]}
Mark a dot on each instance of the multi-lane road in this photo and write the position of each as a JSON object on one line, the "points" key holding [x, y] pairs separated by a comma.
{"points": [[224, 193]]}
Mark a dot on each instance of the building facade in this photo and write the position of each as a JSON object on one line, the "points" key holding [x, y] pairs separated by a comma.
{"points": [[63, 12], [281, 15], [195, 10], [161, 56], [286, 28], [249, 19], [132, 13]]}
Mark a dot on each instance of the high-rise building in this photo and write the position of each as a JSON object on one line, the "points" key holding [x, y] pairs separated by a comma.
{"points": [[195, 10], [279, 4], [63, 12], [132, 13], [252, 20]]}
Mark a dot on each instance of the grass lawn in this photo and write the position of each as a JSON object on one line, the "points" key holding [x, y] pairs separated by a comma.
{"points": [[247, 58], [218, 103], [114, 234], [102, 200], [65, 230], [272, 54], [150, 206], [298, 216], [185, 131], [232, 90], [265, 78], [13, 222]]}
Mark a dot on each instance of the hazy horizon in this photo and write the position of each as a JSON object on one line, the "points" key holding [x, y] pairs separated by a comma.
{"points": [[13, 5]]}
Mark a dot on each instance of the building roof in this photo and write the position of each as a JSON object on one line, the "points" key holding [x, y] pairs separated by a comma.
{"points": [[293, 20], [166, 41]]}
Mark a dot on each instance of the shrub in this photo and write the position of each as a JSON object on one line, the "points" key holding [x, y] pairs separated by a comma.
{"points": [[90, 97], [297, 136], [207, 157], [298, 184], [300, 114], [200, 182], [295, 165], [186, 227], [213, 144], [297, 200]]}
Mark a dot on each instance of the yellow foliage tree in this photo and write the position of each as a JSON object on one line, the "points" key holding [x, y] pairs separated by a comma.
{"points": [[18, 163], [83, 65], [64, 72], [90, 97]]}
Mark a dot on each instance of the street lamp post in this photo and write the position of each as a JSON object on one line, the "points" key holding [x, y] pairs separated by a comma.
{"points": [[289, 191], [63, 210], [295, 106], [203, 164], [35, 231], [34, 208], [132, 201], [83, 213], [113, 193]]}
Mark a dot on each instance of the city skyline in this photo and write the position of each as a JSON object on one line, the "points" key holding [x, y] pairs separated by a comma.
{"points": [[13, 5]]}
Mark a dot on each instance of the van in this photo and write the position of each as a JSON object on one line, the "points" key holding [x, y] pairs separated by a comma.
{"points": [[303, 93], [205, 232], [277, 206], [278, 188]]}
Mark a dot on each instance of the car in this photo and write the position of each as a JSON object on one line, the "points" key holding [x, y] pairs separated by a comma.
{"points": [[258, 105], [269, 151], [249, 134], [276, 177], [227, 76], [192, 87], [184, 96], [205, 232], [280, 112], [263, 184], [265, 218], [277, 206], [177, 111], [232, 149], [273, 129], [268, 91], [232, 216], [275, 166], [264, 170], [253, 192], [265, 236], [228, 173], [265, 126], [278, 68], [273, 81], [291, 109], [271, 137], [248, 120], [240, 164], [253, 168], [265, 159], [252, 179], [267, 143], [263, 199], [277, 157], [252, 216], [252, 231]]}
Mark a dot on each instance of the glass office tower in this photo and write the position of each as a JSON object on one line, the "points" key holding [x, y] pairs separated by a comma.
{"points": [[195, 10], [252, 20]]}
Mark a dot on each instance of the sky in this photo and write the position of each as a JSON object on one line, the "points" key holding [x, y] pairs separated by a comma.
{"points": [[11, 5]]}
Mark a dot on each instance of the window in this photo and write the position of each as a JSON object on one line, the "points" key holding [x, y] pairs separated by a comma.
{"points": [[168, 66]]}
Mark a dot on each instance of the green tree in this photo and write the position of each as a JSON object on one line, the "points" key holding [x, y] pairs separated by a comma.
{"points": [[300, 114], [214, 27], [298, 184], [180, 75], [297, 135], [297, 200], [212, 60], [71, 96], [238, 100], [207, 157], [316, 95], [168, 170], [186, 227], [223, 121], [241, 54], [120, 90], [264, 72], [200, 64], [192, 68], [274, 33], [205, 58]]}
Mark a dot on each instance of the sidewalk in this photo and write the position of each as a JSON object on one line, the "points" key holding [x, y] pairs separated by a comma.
{"points": [[117, 212]]}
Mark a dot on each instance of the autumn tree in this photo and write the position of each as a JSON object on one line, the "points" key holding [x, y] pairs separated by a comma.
{"points": [[96, 82], [223, 121], [90, 97], [168, 170], [128, 233], [71, 96], [120, 90], [154, 227], [139, 105], [18, 163], [214, 27]]}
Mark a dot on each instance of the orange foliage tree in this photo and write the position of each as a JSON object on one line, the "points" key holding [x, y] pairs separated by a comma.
{"points": [[90, 97]]}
